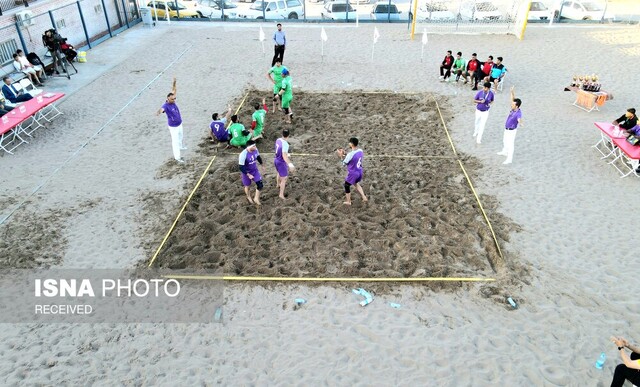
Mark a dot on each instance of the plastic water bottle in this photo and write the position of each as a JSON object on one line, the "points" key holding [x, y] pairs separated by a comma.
{"points": [[601, 360]]}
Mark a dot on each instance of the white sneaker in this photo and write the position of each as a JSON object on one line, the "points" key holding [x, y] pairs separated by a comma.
{"points": [[180, 161], [501, 153], [507, 162], [441, 77], [478, 142]]}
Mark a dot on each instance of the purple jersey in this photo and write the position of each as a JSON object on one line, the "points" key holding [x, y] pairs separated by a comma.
{"points": [[487, 97], [512, 119], [281, 147], [250, 162], [218, 130], [353, 161], [173, 114]]}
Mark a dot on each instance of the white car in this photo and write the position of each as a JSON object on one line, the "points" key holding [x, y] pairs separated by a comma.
{"points": [[538, 11], [383, 11], [437, 10], [480, 11], [281, 9], [211, 9], [580, 10], [338, 11]]}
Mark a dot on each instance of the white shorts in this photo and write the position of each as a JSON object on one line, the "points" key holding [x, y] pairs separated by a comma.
{"points": [[32, 70]]}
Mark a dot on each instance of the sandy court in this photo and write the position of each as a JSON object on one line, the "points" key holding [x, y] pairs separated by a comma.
{"points": [[110, 202]]}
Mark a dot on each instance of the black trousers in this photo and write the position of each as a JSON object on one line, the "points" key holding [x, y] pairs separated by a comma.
{"points": [[447, 71], [623, 373], [278, 54]]}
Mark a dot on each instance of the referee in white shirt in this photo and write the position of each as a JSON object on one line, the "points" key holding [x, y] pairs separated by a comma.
{"points": [[279, 41]]}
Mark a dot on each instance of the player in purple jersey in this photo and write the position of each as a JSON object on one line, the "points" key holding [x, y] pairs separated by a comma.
{"points": [[353, 162], [217, 128], [282, 161], [248, 163]]}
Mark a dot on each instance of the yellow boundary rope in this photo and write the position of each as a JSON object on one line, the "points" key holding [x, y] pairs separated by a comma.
{"points": [[329, 279], [188, 199], [484, 214]]}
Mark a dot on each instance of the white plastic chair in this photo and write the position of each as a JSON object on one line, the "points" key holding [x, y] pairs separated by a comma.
{"points": [[29, 87], [504, 75]]}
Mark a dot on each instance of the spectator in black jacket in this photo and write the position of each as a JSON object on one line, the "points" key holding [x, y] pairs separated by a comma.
{"points": [[628, 120]]}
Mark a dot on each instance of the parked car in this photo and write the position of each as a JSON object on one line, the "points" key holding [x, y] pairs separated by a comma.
{"points": [[539, 11], [281, 9], [480, 11], [385, 11], [580, 10], [338, 11], [438, 10], [159, 8], [212, 9]]}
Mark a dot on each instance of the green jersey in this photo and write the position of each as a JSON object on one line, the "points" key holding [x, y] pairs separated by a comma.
{"points": [[459, 64], [287, 86], [277, 77], [258, 117], [237, 138]]}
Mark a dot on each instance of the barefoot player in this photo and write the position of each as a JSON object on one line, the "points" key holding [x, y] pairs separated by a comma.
{"points": [[282, 161], [353, 162], [286, 93], [275, 76], [248, 162], [257, 123]]}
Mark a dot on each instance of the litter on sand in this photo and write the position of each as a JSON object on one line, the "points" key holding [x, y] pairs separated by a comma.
{"points": [[394, 305], [368, 298], [300, 301]]}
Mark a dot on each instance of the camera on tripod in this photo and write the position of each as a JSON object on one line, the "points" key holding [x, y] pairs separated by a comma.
{"points": [[52, 39]]}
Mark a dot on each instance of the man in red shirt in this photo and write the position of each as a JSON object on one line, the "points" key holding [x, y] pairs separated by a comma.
{"points": [[473, 68], [447, 62], [486, 68]]}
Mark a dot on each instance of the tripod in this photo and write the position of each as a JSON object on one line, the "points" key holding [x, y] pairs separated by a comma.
{"points": [[59, 58]]}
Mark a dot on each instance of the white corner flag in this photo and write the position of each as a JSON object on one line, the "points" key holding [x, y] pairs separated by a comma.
{"points": [[323, 38], [376, 35], [425, 40], [262, 37]]}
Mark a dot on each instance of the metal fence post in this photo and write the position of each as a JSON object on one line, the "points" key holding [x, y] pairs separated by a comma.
{"points": [[264, 10], [124, 11], [177, 9], [24, 45], [222, 8], [115, 3], [106, 17], [84, 25], [304, 7], [53, 22], [347, 10], [389, 12]]}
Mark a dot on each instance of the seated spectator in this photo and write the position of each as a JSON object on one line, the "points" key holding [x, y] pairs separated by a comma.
{"points": [[459, 66], [630, 367], [497, 72], [239, 135], [474, 71], [12, 94], [445, 67], [4, 109], [486, 68], [34, 72], [218, 131], [628, 120]]}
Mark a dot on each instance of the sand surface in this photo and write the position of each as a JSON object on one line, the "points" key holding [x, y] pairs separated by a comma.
{"points": [[107, 205]]}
